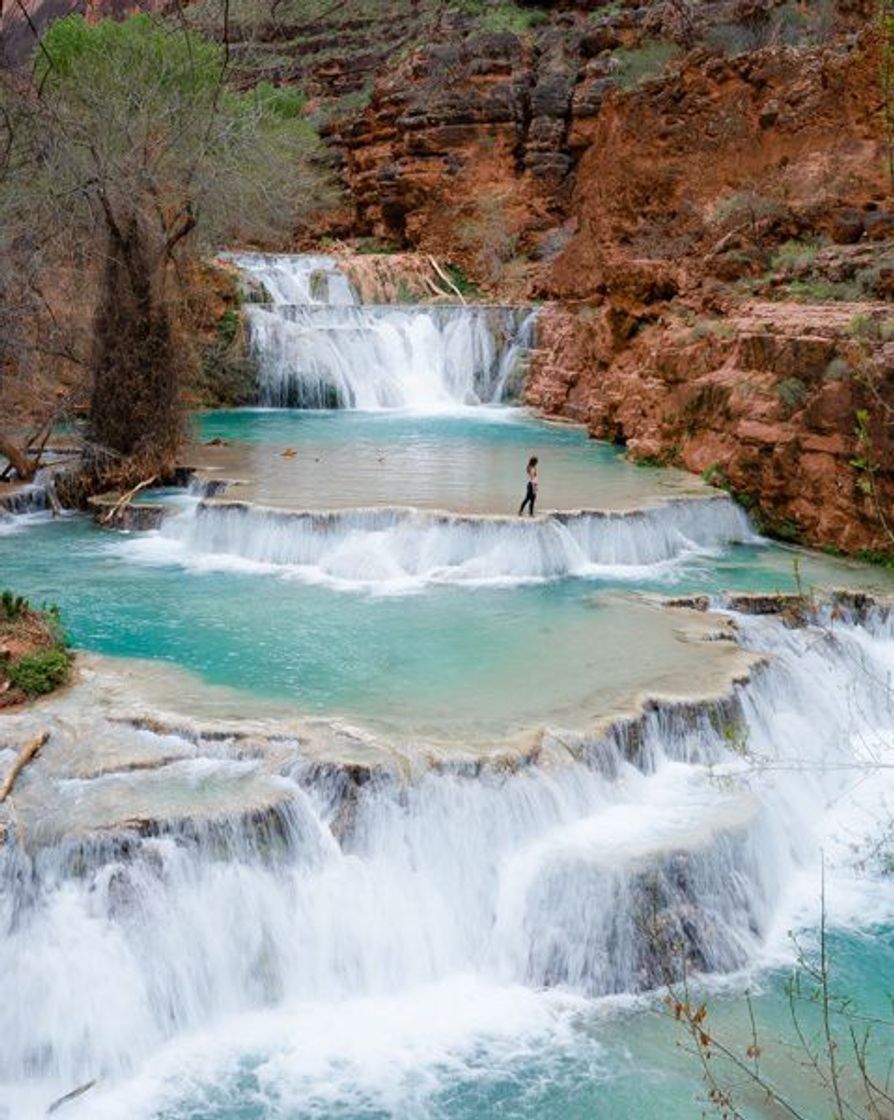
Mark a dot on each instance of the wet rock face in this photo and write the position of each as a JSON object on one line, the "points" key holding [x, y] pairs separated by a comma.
{"points": [[654, 205], [763, 402], [492, 109]]}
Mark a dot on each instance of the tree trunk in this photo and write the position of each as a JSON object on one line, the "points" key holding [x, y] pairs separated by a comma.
{"points": [[135, 410], [21, 462]]}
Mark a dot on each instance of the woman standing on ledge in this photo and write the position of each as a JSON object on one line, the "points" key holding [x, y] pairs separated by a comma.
{"points": [[531, 492]]}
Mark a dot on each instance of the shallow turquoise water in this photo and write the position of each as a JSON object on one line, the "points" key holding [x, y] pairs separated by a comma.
{"points": [[464, 659], [605, 1063], [459, 657], [353, 653], [471, 461]]}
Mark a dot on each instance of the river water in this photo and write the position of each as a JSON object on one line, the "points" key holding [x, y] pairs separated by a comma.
{"points": [[371, 794]]}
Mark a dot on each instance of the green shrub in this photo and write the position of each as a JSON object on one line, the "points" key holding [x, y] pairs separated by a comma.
{"points": [[373, 248], [795, 255], [864, 328], [705, 326], [837, 370], [228, 327], [879, 559], [643, 62], [461, 282], [823, 291], [41, 672], [280, 101], [792, 392], [748, 207], [499, 17], [12, 606]]}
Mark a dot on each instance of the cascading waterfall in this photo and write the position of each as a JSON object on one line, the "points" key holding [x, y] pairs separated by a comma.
{"points": [[573, 875], [22, 506], [398, 548], [317, 346]]}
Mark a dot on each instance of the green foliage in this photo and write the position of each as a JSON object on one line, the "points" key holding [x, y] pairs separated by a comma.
{"points": [[227, 377], [713, 475], [142, 125], [792, 392], [823, 291], [605, 11], [74, 51], [375, 248], [865, 328], [705, 327], [643, 62], [837, 370], [878, 559], [38, 673], [281, 101], [733, 732], [795, 255], [228, 326], [503, 16], [12, 606], [747, 207], [461, 282]]}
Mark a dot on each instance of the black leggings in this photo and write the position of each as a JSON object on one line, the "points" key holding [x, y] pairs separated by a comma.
{"points": [[530, 498]]}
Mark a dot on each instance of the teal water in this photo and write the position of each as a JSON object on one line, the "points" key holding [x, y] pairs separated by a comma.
{"points": [[589, 1062], [449, 661], [582, 641], [472, 461]]}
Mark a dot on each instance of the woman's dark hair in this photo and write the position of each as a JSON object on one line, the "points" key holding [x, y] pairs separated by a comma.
{"points": [[532, 462]]}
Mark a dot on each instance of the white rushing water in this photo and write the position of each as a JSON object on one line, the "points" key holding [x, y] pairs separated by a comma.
{"points": [[317, 346], [393, 550], [363, 936]]}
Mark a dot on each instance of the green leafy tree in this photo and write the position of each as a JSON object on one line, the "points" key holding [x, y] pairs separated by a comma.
{"points": [[132, 148]]}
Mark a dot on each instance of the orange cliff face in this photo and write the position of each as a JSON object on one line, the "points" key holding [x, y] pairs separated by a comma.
{"points": [[711, 232], [696, 194], [708, 242]]}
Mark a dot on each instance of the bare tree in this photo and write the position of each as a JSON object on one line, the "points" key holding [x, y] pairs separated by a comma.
{"points": [[132, 150]]}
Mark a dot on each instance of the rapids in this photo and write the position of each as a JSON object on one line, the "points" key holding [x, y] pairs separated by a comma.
{"points": [[317, 347], [349, 900], [373, 800]]}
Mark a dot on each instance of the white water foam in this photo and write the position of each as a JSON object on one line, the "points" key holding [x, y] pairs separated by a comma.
{"points": [[375, 965], [398, 550], [317, 346]]}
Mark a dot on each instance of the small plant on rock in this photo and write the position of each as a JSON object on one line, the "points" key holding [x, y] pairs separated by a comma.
{"points": [[39, 673]]}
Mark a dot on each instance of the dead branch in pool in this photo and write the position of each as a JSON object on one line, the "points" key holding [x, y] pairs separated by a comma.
{"points": [[74, 1094], [125, 500], [440, 271], [25, 755]]}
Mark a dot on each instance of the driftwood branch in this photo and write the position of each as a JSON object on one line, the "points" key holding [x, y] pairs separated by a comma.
{"points": [[125, 500], [19, 461], [60, 1101], [440, 271], [22, 759]]}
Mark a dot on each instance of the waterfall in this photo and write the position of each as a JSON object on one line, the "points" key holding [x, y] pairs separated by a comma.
{"points": [[28, 503], [317, 346], [401, 549], [374, 885]]}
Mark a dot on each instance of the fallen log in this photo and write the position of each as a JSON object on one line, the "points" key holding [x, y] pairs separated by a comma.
{"points": [[125, 500], [440, 271], [21, 761]]}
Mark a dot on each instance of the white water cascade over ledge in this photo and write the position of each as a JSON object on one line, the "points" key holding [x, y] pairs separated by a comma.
{"points": [[429, 908], [318, 346], [394, 549]]}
